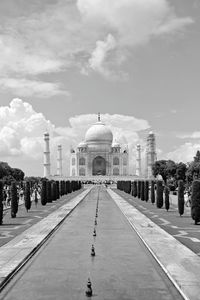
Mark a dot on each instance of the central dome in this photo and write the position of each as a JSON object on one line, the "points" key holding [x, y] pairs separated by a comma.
{"points": [[99, 132]]}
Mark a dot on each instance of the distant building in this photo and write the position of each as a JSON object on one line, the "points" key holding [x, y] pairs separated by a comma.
{"points": [[98, 154]]}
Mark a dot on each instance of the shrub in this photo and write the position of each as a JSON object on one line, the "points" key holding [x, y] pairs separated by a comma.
{"points": [[135, 192], [152, 192], [195, 201], [139, 189], [54, 190], [142, 191], [181, 197], [44, 193], [48, 186], [27, 196], [146, 190], [14, 200], [167, 204], [1, 202], [57, 190], [159, 194]]}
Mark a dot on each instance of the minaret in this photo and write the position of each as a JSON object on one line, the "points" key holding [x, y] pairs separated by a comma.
{"points": [[138, 161], [59, 160], [99, 117], [47, 163], [150, 153]]}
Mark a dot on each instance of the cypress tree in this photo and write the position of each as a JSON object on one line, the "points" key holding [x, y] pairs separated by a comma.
{"points": [[139, 189], [44, 193], [152, 192], [1, 202], [142, 191], [167, 204], [195, 201], [146, 190], [135, 189], [181, 201], [54, 190], [49, 199], [27, 196], [14, 200], [57, 190], [159, 194]]}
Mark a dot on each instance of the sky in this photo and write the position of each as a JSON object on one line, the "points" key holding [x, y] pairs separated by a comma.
{"points": [[63, 61]]}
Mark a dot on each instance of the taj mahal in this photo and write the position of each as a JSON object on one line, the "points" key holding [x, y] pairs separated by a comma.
{"points": [[98, 154]]}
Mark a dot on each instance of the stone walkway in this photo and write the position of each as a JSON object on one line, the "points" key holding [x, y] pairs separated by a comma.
{"points": [[15, 253], [178, 262], [123, 268]]}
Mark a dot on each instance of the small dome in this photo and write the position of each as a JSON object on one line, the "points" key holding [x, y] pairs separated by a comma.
{"points": [[99, 132], [82, 144], [116, 144]]}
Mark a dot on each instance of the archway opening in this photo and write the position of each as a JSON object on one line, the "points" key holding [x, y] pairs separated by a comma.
{"points": [[99, 166]]}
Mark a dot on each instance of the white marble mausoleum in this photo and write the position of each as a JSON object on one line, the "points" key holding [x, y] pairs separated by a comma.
{"points": [[98, 154]]}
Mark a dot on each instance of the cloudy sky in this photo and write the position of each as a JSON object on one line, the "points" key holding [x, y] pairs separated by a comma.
{"points": [[62, 61]]}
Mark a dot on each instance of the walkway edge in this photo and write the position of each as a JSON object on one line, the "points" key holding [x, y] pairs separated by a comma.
{"points": [[181, 265], [16, 253]]}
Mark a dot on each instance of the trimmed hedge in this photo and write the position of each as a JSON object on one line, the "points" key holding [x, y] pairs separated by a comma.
{"points": [[49, 196], [54, 190], [181, 201], [1, 202], [142, 190], [152, 192], [195, 201], [57, 190], [135, 191], [14, 200], [27, 196], [139, 189], [167, 204], [146, 190], [159, 194], [44, 193]]}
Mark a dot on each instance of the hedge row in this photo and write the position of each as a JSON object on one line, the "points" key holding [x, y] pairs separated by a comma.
{"points": [[140, 189], [50, 191]]}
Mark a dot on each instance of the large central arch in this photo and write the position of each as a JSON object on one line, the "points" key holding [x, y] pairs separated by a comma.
{"points": [[99, 166]]}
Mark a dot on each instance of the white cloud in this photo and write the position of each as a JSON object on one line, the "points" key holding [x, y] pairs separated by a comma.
{"points": [[88, 34], [26, 88], [130, 23], [184, 153], [22, 129], [192, 135]]}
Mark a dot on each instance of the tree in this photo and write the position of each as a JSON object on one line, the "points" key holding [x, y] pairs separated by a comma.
{"points": [[195, 204], [14, 200], [166, 168], [181, 169], [1, 202], [181, 197], [167, 204], [17, 174], [27, 196], [152, 192], [159, 194], [44, 192]]}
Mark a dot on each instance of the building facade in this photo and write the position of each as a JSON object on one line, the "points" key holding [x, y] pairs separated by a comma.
{"points": [[98, 154]]}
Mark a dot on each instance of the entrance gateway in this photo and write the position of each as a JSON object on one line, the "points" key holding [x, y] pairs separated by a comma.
{"points": [[99, 166]]}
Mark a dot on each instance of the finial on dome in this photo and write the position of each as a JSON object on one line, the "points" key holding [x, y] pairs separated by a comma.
{"points": [[99, 117]]}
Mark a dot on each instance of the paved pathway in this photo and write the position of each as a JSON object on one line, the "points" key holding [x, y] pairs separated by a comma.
{"points": [[123, 268], [182, 228], [14, 226], [180, 263]]}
